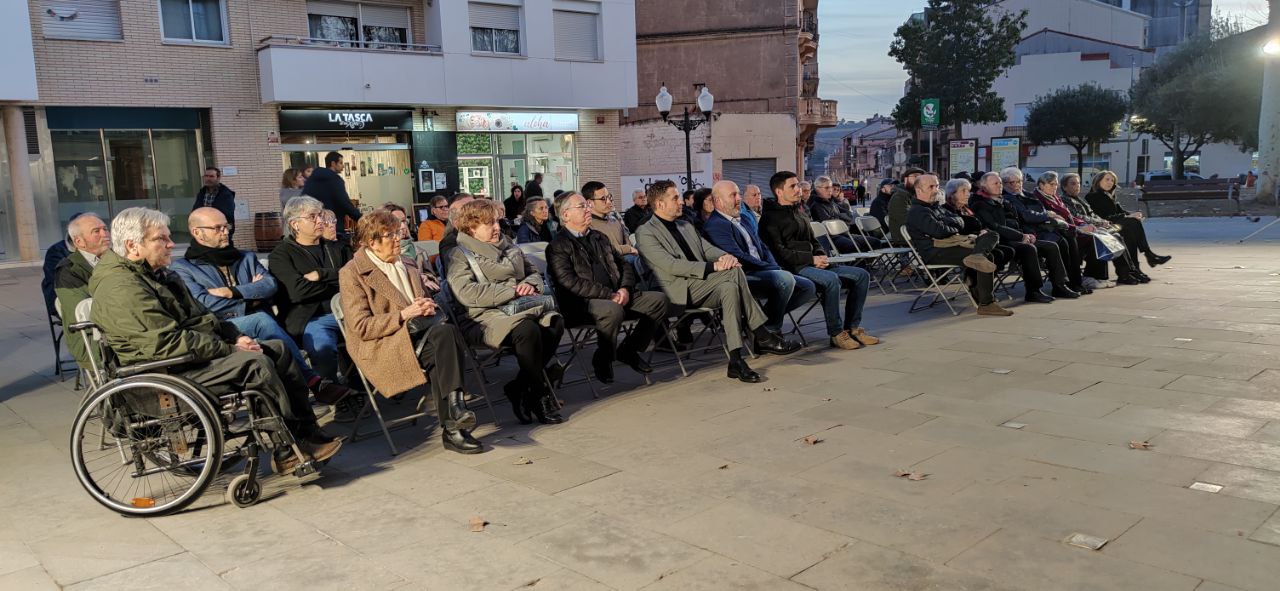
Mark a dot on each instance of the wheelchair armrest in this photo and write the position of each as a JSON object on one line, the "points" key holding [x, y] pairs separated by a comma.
{"points": [[79, 326], [150, 366]]}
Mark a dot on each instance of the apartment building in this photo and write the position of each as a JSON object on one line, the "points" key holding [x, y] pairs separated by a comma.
{"points": [[423, 97], [757, 57]]}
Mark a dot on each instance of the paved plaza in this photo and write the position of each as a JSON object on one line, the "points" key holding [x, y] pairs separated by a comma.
{"points": [[1020, 427]]}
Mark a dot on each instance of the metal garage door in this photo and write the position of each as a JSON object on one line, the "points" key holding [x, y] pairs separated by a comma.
{"points": [[750, 171]]}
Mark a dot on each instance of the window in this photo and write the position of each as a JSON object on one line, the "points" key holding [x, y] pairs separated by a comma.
{"points": [[495, 28], [577, 33], [199, 21], [86, 19], [350, 24], [1020, 112]]}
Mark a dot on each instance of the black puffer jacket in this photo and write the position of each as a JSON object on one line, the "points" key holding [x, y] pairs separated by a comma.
{"points": [[569, 264], [926, 221], [999, 217], [785, 231]]}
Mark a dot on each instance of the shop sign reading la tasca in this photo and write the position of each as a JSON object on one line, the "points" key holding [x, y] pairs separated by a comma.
{"points": [[346, 120]]}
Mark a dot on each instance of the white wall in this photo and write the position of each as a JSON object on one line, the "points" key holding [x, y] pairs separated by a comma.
{"points": [[457, 77], [1083, 17], [18, 76]]}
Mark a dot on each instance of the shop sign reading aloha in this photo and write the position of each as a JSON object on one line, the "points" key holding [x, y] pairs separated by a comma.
{"points": [[516, 121]]}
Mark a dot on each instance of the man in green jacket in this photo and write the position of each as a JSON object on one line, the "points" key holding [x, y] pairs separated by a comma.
{"points": [[145, 313], [71, 279], [904, 195]]}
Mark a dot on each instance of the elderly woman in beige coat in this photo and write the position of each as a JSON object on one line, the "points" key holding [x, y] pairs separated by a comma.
{"points": [[487, 276], [392, 324]]}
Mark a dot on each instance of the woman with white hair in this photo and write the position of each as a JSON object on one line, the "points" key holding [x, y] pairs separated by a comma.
{"points": [[956, 193]]}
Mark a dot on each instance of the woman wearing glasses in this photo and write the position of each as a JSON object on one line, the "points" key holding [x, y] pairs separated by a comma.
{"points": [[306, 267]]}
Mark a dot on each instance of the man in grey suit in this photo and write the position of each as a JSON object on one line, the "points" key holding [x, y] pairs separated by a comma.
{"points": [[692, 272]]}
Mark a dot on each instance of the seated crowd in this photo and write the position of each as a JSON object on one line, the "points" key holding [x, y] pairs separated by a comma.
{"points": [[735, 261]]}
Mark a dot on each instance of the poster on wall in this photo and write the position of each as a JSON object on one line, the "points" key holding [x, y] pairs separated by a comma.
{"points": [[963, 157], [426, 180], [1005, 152], [442, 181]]}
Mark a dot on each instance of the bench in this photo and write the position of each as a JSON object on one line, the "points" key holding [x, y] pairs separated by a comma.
{"points": [[1188, 190]]}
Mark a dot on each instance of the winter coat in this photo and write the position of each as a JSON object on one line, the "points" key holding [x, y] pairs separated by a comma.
{"points": [[431, 230], [569, 264], [71, 286], [1105, 205], [327, 187], [299, 299], [786, 232], [377, 337], [52, 258], [531, 232], [634, 217], [927, 221], [830, 209], [200, 276], [998, 216], [722, 233], [901, 202], [476, 300], [224, 200], [147, 314]]}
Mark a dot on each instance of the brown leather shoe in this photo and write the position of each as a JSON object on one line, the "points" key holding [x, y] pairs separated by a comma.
{"points": [[320, 451], [993, 309], [864, 338], [284, 464], [845, 341], [979, 263], [330, 393]]}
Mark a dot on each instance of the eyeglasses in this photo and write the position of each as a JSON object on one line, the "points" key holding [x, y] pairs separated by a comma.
{"points": [[572, 207], [605, 197], [327, 222], [218, 229], [439, 207]]}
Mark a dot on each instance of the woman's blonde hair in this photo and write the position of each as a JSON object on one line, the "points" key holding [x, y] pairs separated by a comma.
{"points": [[290, 175], [476, 213], [376, 224]]}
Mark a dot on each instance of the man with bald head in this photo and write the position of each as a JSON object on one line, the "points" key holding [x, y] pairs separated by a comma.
{"points": [[90, 237], [735, 233], [238, 289]]}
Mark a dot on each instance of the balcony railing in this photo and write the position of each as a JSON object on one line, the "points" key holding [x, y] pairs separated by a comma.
{"points": [[814, 111], [809, 23], [347, 44]]}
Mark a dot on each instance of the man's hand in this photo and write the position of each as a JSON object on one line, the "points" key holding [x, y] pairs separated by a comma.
{"points": [[312, 276], [524, 289], [621, 297], [246, 343], [725, 262], [1137, 215], [221, 292], [821, 261], [258, 277], [1028, 238], [1088, 228]]}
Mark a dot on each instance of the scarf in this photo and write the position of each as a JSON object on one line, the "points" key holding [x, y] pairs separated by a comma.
{"points": [[226, 256], [395, 273]]}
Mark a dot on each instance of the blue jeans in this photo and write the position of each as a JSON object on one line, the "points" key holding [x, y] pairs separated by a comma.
{"points": [[828, 281], [320, 339], [262, 327], [783, 292]]}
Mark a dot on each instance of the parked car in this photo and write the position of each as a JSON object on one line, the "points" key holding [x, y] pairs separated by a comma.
{"points": [[1165, 175]]}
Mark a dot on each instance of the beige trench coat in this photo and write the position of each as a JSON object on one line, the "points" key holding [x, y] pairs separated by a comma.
{"points": [[377, 338]]}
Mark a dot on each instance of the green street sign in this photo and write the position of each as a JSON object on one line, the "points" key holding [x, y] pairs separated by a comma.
{"points": [[930, 113]]}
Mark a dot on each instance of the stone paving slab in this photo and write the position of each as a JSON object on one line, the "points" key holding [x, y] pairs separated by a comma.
{"points": [[700, 483]]}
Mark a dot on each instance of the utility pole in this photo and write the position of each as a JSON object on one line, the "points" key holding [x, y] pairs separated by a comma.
{"points": [[1182, 18], [1128, 129], [1269, 120]]}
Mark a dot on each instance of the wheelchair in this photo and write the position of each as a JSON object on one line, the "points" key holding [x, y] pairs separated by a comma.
{"points": [[147, 443]]}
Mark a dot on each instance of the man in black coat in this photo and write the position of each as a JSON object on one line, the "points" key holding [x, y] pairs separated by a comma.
{"points": [[1035, 220], [326, 186], [218, 196], [533, 188], [989, 207], [638, 213], [594, 284], [927, 222]]}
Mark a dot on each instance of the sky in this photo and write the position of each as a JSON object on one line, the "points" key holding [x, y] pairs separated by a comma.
{"points": [[854, 66]]}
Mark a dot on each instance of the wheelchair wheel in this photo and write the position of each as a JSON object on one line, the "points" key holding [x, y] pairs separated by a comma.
{"points": [[244, 491], [146, 445]]}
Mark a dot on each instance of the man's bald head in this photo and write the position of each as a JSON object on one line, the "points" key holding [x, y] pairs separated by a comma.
{"points": [[208, 227], [726, 197]]}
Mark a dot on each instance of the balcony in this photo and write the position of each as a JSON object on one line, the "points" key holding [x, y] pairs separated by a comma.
{"points": [[808, 35], [321, 71], [809, 81], [815, 112]]}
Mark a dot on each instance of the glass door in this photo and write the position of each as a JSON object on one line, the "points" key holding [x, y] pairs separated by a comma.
{"points": [[130, 169], [513, 170]]}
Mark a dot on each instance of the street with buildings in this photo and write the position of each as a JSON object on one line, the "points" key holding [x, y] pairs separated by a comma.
{"points": [[358, 300]]}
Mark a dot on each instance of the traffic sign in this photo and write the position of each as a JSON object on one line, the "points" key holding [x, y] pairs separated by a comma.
{"points": [[930, 114]]}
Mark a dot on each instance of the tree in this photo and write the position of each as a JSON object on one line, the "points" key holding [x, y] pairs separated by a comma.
{"points": [[1080, 117], [955, 54], [1207, 90]]}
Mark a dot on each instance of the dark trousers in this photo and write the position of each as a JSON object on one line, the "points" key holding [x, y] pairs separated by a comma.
{"points": [[1051, 252], [983, 283], [648, 308], [271, 372], [441, 357], [1135, 239], [1069, 251], [534, 345]]}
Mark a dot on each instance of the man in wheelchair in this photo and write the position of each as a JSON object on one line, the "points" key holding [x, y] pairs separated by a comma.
{"points": [[146, 314]]}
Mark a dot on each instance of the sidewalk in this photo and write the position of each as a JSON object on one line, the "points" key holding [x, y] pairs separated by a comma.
{"points": [[1022, 426]]}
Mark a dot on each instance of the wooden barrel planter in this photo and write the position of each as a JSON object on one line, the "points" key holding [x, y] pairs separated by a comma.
{"points": [[268, 230]]}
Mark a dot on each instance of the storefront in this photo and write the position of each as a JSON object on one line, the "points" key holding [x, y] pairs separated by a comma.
{"points": [[501, 149], [375, 145], [106, 159]]}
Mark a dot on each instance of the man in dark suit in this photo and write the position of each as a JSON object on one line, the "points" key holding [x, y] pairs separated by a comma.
{"points": [[326, 185], [737, 234], [218, 196]]}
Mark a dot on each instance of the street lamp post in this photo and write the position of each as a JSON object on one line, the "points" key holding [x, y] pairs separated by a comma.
{"points": [[686, 124]]}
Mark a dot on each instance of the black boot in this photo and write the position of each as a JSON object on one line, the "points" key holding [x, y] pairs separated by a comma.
{"points": [[461, 441], [543, 406], [739, 370], [516, 394], [1154, 259], [457, 410]]}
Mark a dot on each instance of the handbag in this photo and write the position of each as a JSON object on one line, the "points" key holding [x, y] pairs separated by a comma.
{"points": [[543, 303], [1107, 246]]}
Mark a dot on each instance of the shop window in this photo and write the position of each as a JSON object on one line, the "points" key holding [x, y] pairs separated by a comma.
{"points": [[356, 24], [577, 32], [495, 28], [197, 21]]}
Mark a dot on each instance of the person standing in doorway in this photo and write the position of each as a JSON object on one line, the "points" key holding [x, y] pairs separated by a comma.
{"points": [[218, 196], [326, 186], [533, 188]]}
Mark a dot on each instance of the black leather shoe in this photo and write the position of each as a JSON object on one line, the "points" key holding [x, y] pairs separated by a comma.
{"points": [[776, 345], [516, 395], [547, 412], [632, 359], [1036, 297], [1065, 293], [461, 441], [1155, 259], [1142, 277], [741, 371], [1128, 279], [1080, 289]]}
